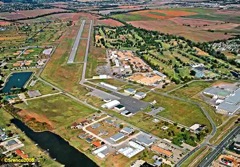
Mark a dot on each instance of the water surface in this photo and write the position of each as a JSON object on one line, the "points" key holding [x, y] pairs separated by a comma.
{"points": [[57, 147]]}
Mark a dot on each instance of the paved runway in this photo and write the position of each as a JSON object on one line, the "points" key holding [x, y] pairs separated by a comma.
{"points": [[76, 43]]}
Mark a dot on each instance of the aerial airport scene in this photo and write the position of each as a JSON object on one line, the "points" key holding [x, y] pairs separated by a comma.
{"points": [[119, 83]]}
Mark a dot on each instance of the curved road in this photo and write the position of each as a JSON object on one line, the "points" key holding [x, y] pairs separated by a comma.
{"points": [[213, 132]]}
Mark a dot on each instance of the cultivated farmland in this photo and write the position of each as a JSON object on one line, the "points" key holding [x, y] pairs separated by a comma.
{"points": [[198, 25], [28, 13]]}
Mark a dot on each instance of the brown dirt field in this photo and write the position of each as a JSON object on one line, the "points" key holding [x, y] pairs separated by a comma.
{"points": [[31, 50], [59, 4], [200, 52], [10, 38], [221, 83], [110, 22], [4, 23], [166, 26], [225, 26], [228, 12], [97, 37], [73, 16], [194, 22], [166, 13], [128, 7], [229, 55], [85, 30], [27, 115], [104, 126], [28, 13], [116, 160]]}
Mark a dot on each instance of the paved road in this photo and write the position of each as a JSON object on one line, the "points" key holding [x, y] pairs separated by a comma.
{"points": [[86, 53], [43, 96], [45, 64], [204, 111], [225, 142], [168, 120], [205, 142], [76, 43]]}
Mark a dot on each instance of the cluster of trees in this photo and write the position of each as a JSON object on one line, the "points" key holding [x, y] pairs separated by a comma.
{"points": [[12, 6], [148, 45], [189, 138]]}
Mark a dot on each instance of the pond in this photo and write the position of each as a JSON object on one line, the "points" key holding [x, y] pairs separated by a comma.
{"points": [[16, 81]]}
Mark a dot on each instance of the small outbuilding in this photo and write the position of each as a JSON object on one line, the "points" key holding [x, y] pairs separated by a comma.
{"points": [[33, 93], [196, 128], [110, 104], [127, 130], [130, 91], [119, 107], [140, 95], [117, 137]]}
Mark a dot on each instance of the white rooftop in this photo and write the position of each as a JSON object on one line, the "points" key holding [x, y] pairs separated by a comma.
{"points": [[195, 127]]}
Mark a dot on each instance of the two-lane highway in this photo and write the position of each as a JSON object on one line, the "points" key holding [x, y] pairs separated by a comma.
{"points": [[213, 155]]}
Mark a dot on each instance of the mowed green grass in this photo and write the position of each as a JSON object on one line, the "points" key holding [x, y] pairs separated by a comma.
{"points": [[43, 88], [234, 19], [131, 17], [191, 89], [59, 109], [96, 57], [210, 14], [179, 111], [206, 14], [65, 76]]}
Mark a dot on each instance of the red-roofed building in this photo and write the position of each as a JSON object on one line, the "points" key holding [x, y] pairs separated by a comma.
{"points": [[21, 153], [97, 143]]}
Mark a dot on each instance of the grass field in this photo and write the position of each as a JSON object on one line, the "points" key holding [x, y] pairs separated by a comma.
{"points": [[59, 109], [179, 111], [209, 14], [43, 88], [96, 57], [65, 76], [130, 17], [191, 89]]}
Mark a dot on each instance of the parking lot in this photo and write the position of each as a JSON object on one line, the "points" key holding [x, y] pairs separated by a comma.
{"points": [[133, 105], [102, 95]]}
